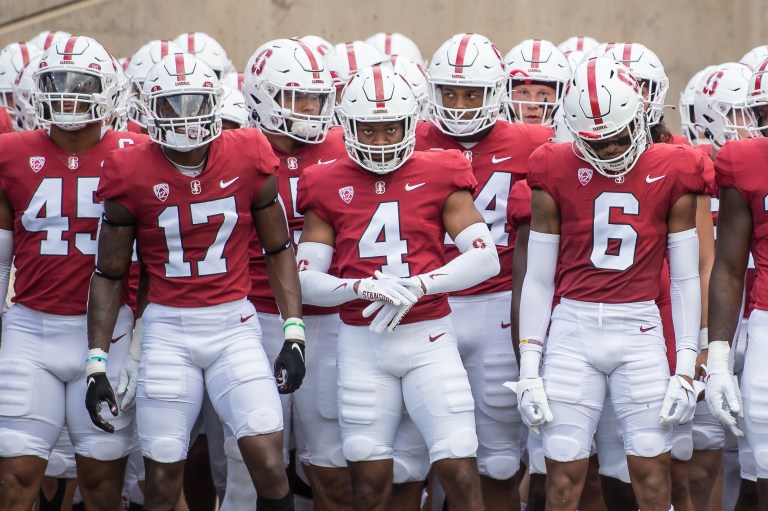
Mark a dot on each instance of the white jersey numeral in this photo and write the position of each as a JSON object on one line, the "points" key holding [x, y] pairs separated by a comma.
{"points": [[293, 183], [614, 244], [44, 214], [382, 239], [214, 262]]}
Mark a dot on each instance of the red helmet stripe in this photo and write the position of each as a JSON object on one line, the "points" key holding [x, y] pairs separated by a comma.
{"points": [[180, 66], [579, 44], [24, 53], [69, 47], [312, 60], [462, 49], [191, 42], [759, 75], [378, 84], [627, 55], [594, 101], [351, 58], [388, 44], [536, 53], [49, 40], [608, 46], [163, 49]]}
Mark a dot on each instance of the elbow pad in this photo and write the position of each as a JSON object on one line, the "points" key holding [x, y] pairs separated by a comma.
{"points": [[477, 262], [317, 286], [685, 294]]}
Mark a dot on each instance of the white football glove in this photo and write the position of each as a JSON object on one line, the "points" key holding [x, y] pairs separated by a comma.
{"points": [[385, 289], [531, 402], [723, 394], [389, 315], [129, 372], [679, 402]]}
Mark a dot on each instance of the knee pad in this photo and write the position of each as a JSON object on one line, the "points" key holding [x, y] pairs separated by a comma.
{"points": [[17, 382], [410, 469], [647, 444], [563, 448], [748, 467], [261, 421], [19, 443], [60, 466], [682, 448], [498, 467], [165, 450], [461, 444], [358, 448], [761, 461]]}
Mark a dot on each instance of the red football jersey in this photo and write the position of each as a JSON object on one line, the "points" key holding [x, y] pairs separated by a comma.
{"points": [[134, 127], [291, 167], [391, 222], [6, 125], [519, 204], [56, 216], [613, 231], [737, 166], [679, 139], [193, 232], [498, 161]]}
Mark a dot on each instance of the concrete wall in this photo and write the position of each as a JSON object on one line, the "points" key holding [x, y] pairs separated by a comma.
{"points": [[686, 34]]}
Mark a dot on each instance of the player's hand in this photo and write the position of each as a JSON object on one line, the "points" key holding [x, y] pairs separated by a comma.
{"points": [[127, 383], [389, 316], [290, 367], [531, 402], [100, 391], [724, 399], [385, 289], [679, 402]]}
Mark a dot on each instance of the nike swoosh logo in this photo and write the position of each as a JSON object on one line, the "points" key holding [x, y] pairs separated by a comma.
{"points": [[340, 286], [117, 339], [505, 325], [499, 160], [246, 318], [298, 349], [409, 187], [433, 338], [91, 380], [646, 329], [321, 162], [225, 184], [649, 179], [433, 275]]}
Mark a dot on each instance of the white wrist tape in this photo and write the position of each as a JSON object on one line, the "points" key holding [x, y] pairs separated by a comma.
{"points": [[96, 362], [703, 339], [317, 286], [293, 328], [6, 258], [477, 262], [539, 285], [685, 294], [717, 358]]}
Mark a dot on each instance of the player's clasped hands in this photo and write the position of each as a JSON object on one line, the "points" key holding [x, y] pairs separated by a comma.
{"points": [[390, 313]]}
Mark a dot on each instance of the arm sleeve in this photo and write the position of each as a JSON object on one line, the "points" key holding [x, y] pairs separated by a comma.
{"points": [[685, 294], [317, 286], [539, 285], [477, 262], [6, 257]]}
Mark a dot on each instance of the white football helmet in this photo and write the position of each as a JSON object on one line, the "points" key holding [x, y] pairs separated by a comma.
{"points": [[535, 61], [601, 101], [24, 89], [757, 97], [393, 44], [466, 60], [754, 57], [378, 94], [48, 38], [234, 80], [416, 77], [120, 113], [76, 84], [598, 51], [720, 103], [138, 67], [575, 58], [648, 70], [283, 75], [183, 99], [345, 59], [584, 44], [207, 49], [687, 109], [13, 58], [322, 46], [233, 106]]}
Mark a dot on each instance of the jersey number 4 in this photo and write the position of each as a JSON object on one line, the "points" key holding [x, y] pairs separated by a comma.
{"points": [[614, 244]]}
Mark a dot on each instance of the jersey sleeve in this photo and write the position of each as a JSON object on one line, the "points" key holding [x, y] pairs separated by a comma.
{"points": [[256, 149], [307, 194], [113, 184], [725, 168], [540, 135], [537, 169], [463, 175], [690, 173], [710, 186], [519, 204]]}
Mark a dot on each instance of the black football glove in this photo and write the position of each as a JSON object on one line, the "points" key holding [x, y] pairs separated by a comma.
{"points": [[290, 367], [99, 391]]}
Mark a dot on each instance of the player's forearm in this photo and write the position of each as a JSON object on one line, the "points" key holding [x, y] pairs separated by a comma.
{"points": [[284, 281], [519, 265], [685, 294], [705, 230], [726, 290], [6, 258], [103, 306]]}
